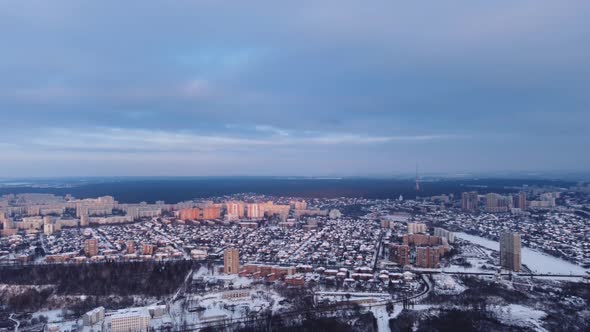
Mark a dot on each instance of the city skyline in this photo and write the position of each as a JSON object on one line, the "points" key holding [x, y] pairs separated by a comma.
{"points": [[306, 89]]}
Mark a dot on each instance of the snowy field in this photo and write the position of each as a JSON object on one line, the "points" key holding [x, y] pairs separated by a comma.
{"points": [[519, 315], [537, 261], [215, 308], [447, 285]]}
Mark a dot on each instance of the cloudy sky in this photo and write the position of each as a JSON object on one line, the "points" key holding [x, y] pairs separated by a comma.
{"points": [[293, 87]]}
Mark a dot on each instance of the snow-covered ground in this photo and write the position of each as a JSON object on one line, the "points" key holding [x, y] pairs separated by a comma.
{"points": [[206, 275], [447, 285], [52, 316], [536, 261], [214, 307], [67, 326], [383, 317], [477, 265], [519, 315]]}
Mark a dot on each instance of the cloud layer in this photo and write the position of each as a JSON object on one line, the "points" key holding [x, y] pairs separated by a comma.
{"points": [[302, 88]]}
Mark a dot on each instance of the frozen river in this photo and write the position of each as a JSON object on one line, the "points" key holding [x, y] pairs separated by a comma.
{"points": [[536, 261]]}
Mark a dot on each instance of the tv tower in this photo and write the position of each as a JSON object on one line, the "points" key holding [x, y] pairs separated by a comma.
{"points": [[417, 179]]}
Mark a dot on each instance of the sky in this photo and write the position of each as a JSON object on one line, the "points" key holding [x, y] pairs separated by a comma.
{"points": [[313, 88]]}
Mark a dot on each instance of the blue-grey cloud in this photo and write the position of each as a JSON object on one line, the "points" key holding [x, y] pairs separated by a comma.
{"points": [[306, 87]]}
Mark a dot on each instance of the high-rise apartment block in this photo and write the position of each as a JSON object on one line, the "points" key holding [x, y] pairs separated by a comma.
{"points": [[427, 257], [147, 249], [414, 228], [497, 203], [8, 227], [234, 210], [84, 220], [130, 247], [469, 201], [7, 222], [519, 201], [91, 247], [299, 205], [190, 214], [443, 233], [231, 261], [422, 240], [48, 229], [254, 211], [400, 254], [211, 212], [510, 251]]}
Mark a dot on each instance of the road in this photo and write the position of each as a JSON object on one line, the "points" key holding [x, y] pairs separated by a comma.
{"points": [[424, 294], [16, 321], [43, 245], [304, 244], [181, 289], [540, 275], [378, 251]]}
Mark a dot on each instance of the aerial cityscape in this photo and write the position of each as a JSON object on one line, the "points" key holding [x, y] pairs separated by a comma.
{"points": [[294, 166], [519, 260]]}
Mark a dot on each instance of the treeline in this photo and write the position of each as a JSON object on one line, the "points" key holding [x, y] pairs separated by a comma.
{"points": [[480, 294], [310, 325], [120, 278], [449, 320], [29, 299]]}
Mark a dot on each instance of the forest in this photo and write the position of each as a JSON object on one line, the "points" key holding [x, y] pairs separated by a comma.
{"points": [[121, 278]]}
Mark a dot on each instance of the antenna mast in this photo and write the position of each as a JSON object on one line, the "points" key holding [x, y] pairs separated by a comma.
{"points": [[417, 179]]}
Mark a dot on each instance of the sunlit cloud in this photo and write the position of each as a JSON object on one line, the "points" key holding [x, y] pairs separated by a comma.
{"points": [[124, 139], [272, 130]]}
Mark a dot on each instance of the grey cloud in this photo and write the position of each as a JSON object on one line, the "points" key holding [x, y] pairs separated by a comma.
{"points": [[322, 75]]}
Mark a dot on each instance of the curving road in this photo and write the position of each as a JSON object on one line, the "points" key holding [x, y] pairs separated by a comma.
{"points": [[15, 321]]}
